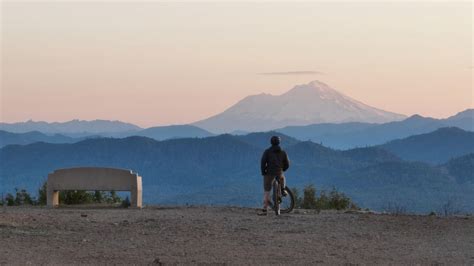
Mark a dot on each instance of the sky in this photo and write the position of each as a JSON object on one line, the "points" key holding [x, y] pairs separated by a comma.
{"points": [[159, 63]]}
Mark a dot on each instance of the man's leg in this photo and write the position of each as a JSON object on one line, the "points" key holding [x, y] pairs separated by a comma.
{"points": [[283, 185], [282, 181], [267, 187], [266, 199]]}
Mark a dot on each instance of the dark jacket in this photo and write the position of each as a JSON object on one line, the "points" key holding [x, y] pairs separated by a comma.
{"points": [[274, 161]]}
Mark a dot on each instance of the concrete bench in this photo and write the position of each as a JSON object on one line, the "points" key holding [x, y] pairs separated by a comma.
{"points": [[94, 178]]}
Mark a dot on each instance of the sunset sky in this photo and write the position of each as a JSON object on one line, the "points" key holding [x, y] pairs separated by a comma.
{"points": [[159, 63]]}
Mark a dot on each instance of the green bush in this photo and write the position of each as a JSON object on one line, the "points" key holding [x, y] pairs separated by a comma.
{"points": [[23, 197], [297, 196], [71, 197], [99, 196], [335, 200], [10, 199], [42, 194], [125, 203], [309, 197], [114, 198]]}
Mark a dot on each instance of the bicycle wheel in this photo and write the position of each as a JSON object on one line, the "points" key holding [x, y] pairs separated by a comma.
{"points": [[276, 197], [287, 202]]}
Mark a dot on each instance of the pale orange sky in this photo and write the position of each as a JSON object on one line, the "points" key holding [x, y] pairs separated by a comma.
{"points": [[154, 63]]}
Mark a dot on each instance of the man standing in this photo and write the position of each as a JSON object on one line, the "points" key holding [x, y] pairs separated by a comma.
{"points": [[274, 163]]}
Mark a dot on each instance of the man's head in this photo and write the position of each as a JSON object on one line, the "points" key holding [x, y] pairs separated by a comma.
{"points": [[275, 140]]}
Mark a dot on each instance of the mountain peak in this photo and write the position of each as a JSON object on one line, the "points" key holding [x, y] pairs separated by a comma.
{"points": [[415, 117], [313, 87], [304, 104]]}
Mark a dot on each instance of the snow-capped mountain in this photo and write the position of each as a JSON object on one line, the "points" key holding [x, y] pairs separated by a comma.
{"points": [[305, 104]]}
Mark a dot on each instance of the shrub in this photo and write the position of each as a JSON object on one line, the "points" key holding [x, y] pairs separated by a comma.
{"points": [[75, 197], [114, 198], [99, 196], [23, 197], [298, 199], [338, 200], [309, 197], [42, 198], [10, 199], [125, 203], [335, 200]]}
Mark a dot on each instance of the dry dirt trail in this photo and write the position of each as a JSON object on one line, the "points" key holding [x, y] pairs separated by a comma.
{"points": [[220, 235]]}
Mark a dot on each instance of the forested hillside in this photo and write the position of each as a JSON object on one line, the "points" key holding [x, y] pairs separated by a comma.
{"points": [[225, 170]]}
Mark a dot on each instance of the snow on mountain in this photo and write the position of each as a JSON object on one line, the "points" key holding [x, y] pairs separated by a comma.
{"points": [[305, 104]]}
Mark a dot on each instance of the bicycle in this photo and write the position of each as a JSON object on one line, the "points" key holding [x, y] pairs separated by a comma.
{"points": [[281, 203]]}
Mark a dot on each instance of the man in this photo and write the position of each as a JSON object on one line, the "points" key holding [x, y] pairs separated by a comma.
{"points": [[274, 163]]}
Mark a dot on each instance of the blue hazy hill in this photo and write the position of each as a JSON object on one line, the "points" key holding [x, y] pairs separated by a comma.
{"points": [[8, 138], [73, 128], [351, 135], [434, 147], [172, 132], [224, 169], [462, 168]]}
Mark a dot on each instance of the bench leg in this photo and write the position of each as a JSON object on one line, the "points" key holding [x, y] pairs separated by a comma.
{"points": [[136, 198], [53, 198]]}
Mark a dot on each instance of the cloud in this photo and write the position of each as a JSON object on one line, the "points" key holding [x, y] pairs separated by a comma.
{"points": [[305, 72]]}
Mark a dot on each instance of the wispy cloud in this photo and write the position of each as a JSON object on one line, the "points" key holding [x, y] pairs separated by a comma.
{"points": [[305, 72]]}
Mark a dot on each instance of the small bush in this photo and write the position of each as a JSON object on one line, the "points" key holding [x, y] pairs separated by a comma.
{"points": [[23, 197], [69, 197], [42, 198], [99, 196], [75, 197], [125, 203], [114, 198], [298, 199], [335, 200], [309, 197], [10, 199]]}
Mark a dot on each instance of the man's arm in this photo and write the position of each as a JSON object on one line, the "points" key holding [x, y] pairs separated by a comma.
{"points": [[286, 162], [263, 163]]}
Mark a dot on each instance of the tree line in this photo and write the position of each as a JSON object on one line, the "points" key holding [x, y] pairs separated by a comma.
{"points": [[68, 197]]}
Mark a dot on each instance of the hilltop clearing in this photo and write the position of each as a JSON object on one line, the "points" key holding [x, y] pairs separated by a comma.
{"points": [[193, 235]]}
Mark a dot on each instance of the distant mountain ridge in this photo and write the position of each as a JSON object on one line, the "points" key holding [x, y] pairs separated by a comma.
{"points": [[435, 147], [74, 127], [355, 134], [7, 138], [78, 129], [338, 136], [174, 131], [305, 104], [224, 169]]}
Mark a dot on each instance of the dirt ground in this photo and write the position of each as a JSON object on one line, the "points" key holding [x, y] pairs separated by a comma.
{"points": [[224, 235]]}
